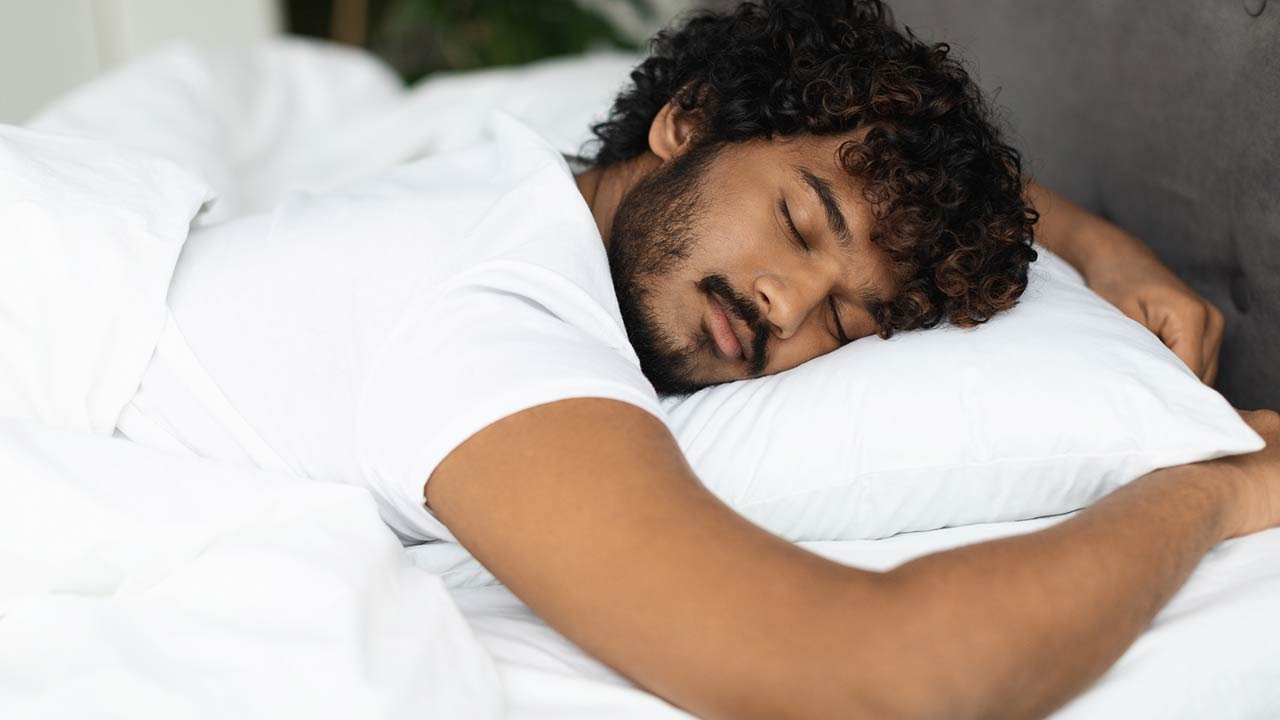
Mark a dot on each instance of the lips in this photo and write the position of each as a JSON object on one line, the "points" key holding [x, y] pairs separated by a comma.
{"points": [[730, 333]]}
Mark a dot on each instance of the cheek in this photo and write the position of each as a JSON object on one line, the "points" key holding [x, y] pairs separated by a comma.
{"points": [[677, 303], [743, 255], [737, 238], [800, 348]]}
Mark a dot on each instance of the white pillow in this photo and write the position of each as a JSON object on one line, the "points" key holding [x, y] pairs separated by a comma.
{"points": [[1041, 411], [89, 234]]}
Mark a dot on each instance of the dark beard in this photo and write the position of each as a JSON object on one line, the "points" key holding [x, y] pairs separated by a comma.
{"points": [[651, 238]]}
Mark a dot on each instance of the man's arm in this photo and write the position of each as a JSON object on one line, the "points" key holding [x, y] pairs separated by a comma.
{"points": [[1124, 271], [587, 510]]}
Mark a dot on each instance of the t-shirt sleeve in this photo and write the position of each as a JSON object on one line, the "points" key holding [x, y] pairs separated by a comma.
{"points": [[487, 347]]}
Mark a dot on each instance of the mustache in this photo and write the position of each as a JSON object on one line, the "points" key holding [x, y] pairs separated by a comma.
{"points": [[747, 311]]}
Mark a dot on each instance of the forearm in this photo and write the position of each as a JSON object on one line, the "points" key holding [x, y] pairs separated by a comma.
{"points": [[587, 510], [1083, 239], [1015, 627]]}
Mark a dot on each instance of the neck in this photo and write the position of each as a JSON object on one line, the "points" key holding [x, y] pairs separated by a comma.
{"points": [[603, 187]]}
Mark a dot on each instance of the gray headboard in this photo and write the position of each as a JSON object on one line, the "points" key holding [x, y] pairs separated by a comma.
{"points": [[1163, 117]]}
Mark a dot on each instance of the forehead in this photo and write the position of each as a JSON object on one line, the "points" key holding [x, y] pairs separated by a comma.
{"points": [[774, 154], [805, 162]]}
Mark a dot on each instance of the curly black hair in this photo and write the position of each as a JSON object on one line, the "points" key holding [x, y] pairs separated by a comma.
{"points": [[947, 191]]}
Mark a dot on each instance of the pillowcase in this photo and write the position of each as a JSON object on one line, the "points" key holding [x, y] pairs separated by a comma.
{"points": [[89, 234], [1040, 411]]}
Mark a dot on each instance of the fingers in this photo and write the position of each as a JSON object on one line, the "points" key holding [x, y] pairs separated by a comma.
{"points": [[1188, 351], [1136, 310], [1187, 323], [1211, 372], [1194, 334], [1215, 322], [1186, 340]]}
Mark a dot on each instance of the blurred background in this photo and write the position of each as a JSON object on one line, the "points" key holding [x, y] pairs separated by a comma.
{"points": [[49, 46]]}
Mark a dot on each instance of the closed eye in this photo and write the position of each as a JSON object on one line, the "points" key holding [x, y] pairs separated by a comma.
{"points": [[791, 225], [835, 314], [799, 240]]}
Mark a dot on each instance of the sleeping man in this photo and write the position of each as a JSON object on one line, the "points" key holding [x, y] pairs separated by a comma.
{"points": [[776, 182]]}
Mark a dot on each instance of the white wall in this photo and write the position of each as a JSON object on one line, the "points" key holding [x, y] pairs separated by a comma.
{"points": [[49, 46]]}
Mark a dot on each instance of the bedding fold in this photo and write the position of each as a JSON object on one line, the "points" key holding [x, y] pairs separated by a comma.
{"points": [[138, 583]]}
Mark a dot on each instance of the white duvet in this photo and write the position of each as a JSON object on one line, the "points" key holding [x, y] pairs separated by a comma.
{"points": [[140, 584], [135, 583]]}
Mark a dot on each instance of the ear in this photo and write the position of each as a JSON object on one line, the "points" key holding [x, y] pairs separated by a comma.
{"points": [[672, 129]]}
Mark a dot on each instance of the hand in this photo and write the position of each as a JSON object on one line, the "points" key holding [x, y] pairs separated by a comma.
{"points": [[1137, 283], [1257, 478], [1120, 268]]}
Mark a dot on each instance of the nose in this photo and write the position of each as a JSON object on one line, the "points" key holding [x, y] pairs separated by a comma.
{"points": [[787, 300]]}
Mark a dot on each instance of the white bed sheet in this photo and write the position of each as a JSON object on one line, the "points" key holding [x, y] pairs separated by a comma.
{"points": [[161, 618], [1213, 652]]}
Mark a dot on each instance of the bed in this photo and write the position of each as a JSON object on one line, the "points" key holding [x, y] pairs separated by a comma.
{"points": [[281, 598]]}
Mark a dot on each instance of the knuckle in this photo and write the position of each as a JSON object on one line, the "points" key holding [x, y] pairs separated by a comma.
{"points": [[1216, 318]]}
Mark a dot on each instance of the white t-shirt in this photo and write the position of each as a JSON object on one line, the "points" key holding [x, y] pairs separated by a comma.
{"points": [[361, 335]]}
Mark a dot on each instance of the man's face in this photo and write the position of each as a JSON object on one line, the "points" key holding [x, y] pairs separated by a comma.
{"points": [[744, 260]]}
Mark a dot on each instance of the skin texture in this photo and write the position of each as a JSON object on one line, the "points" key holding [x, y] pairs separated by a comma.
{"points": [[1124, 271], [807, 291], [588, 511], [809, 301]]}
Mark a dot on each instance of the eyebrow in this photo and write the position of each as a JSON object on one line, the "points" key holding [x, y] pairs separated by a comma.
{"points": [[840, 228], [827, 196]]}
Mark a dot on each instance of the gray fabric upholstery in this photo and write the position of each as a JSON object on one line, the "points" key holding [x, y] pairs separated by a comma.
{"points": [[1163, 117]]}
